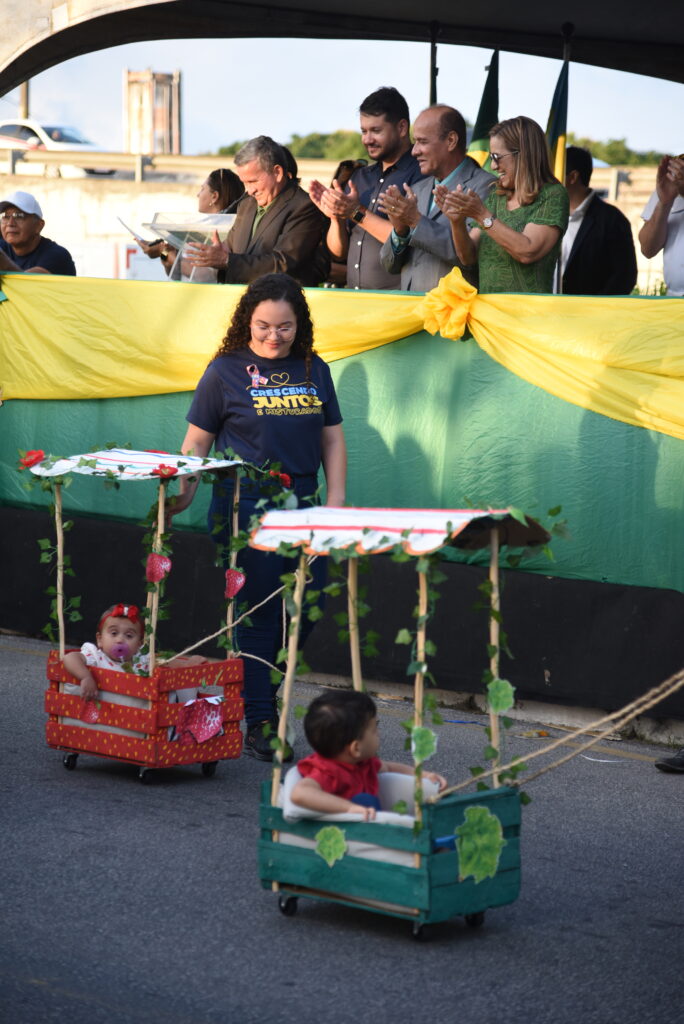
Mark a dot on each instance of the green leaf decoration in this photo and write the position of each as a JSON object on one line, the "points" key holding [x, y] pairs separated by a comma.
{"points": [[518, 514], [500, 695], [423, 743], [479, 844], [403, 637], [401, 807], [331, 844]]}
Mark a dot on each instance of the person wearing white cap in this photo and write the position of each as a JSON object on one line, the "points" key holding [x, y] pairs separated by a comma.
{"points": [[22, 246]]}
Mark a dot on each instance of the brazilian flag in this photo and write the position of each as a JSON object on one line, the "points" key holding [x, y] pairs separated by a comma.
{"points": [[557, 128], [487, 115]]}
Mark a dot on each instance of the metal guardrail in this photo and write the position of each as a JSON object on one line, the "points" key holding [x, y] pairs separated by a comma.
{"points": [[140, 163]]}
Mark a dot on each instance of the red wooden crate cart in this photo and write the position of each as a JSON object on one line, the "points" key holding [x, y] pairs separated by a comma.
{"points": [[178, 714]]}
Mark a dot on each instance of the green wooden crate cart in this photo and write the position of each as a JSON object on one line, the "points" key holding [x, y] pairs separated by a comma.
{"points": [[459, 854]]}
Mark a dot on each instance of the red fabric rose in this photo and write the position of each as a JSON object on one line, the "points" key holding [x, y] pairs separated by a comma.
{"points": [[164, 471], [31, 458], [284, 478]]}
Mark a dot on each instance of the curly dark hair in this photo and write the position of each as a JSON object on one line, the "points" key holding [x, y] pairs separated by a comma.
{"points": [[271, 288]]}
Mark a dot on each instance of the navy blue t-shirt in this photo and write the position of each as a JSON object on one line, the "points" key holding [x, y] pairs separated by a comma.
{"points": [[266, 409], [47, 255]]}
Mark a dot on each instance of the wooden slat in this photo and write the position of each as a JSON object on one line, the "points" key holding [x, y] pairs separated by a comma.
{"points": [[219, 748], [94, 741], [232, 710], [444, 865], [351, 876], [468, 898], [71, 706], [395, 837]]}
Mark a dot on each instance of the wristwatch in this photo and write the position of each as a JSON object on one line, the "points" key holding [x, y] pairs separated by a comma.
{"points": [[359, 213], [164, 254], [488, 221]]}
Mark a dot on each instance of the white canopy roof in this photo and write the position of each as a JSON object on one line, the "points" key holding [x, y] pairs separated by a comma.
{"points": [[419, 531], [126, 464]]}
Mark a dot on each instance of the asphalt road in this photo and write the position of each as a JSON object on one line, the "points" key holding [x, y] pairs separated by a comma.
{"points": [[140, 904]]}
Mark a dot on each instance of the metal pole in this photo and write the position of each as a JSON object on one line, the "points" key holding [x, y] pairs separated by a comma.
{"points": [[24, 100], [434, 70]]}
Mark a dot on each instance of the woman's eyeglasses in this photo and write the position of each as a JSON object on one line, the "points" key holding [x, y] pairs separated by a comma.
{"points": [[13, 216], [496, 158], [266, 330]]}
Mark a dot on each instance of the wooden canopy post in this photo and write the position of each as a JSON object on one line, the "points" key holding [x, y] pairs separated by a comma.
{"points": [[494, 634], [419, 694], [59, 595], [153, 604], [290, 671], [230, 613], [353, 616]]}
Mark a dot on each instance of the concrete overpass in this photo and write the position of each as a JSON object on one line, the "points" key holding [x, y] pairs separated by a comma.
{"points": [[634, 37]]}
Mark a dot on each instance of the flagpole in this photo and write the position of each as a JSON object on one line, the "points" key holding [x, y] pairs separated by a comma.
{"points": [[557, 127], [434, 70]]}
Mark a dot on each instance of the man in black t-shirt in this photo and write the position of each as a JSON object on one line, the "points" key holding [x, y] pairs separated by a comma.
{"points": [[22, 246]]}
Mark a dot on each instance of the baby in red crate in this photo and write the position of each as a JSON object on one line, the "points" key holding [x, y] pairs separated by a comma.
{"points": [[341, 776], [118, 640]]}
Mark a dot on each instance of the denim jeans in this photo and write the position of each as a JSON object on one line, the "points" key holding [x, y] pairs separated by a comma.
{"points": [[262, 571]]}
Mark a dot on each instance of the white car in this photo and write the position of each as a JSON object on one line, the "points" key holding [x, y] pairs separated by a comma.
{"points": [[25, 134]]}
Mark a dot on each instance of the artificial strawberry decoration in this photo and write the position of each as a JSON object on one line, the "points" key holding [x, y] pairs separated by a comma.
{"points": [[157, 567], [91, 711], [200, 719], [235, 581]]}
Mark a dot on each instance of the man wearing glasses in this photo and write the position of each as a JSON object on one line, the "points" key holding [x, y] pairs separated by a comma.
{"points": [[22, 246]]}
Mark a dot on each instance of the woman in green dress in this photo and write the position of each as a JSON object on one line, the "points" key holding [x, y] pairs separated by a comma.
{"points": [[517, 238]]}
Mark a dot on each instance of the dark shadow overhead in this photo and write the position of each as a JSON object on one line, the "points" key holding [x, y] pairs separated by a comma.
{"points": [[631, 36]]}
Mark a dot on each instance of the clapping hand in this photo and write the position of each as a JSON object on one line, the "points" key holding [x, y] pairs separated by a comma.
{"points": [[334, 202], [459, 205], [670, 178], [400, 208], [199, 255]]}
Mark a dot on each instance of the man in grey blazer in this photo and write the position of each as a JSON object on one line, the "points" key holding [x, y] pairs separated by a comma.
{"points": [[420, 245]]}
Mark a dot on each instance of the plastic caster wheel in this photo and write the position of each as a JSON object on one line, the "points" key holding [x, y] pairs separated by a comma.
{"points": [[209, 769], [287, 905], [144, 775], [69, 761], [475, 920], [421, 932]]}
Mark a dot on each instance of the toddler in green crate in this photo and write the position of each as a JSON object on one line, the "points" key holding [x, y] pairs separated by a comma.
{"points": [[341, 776], [119, 637]]}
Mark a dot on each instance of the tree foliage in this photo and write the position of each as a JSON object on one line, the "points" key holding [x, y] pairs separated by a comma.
{"points": [[615, 151], [339, 145]]}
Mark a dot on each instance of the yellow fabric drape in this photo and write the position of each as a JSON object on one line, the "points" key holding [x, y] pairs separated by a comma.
{"points": [[89, 338], [63, 337], [623, 358]]}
